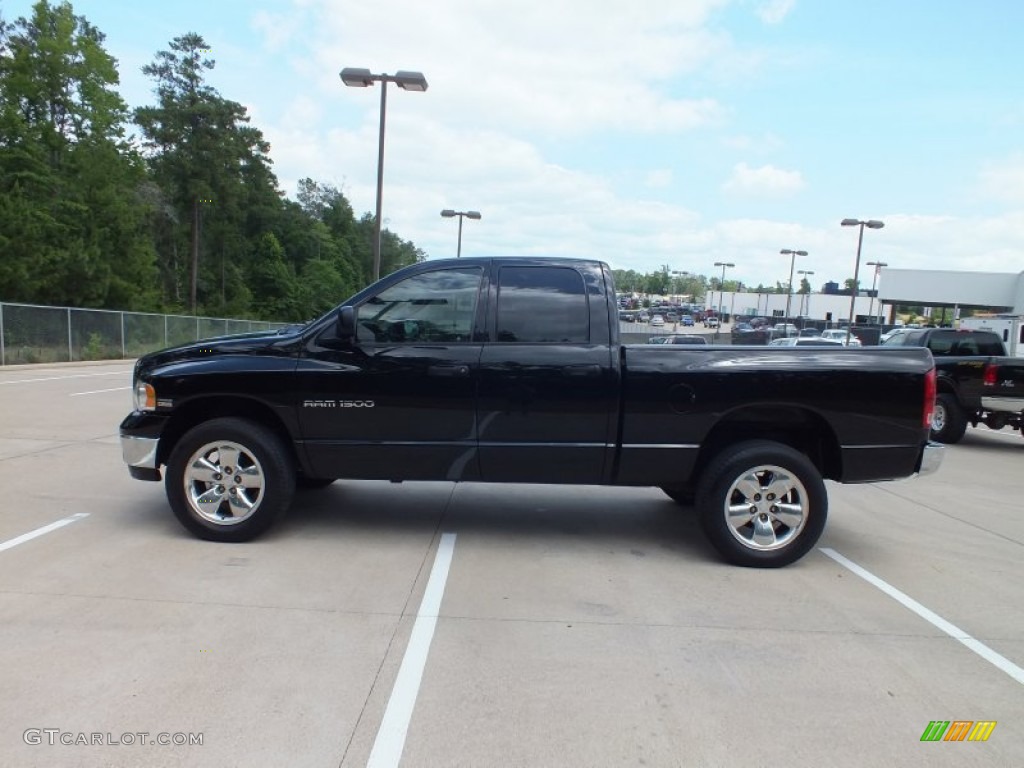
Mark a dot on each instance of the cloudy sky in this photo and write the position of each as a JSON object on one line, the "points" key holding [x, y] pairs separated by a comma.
{"points": [[678, 132]]}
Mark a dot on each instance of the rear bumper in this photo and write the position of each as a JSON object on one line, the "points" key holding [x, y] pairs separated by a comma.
{"points": [[931, 458], [1003, 404]]}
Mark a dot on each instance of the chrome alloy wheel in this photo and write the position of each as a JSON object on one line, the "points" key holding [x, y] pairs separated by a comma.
{"points": [[938, 417], [224, 483], [766, 507]]}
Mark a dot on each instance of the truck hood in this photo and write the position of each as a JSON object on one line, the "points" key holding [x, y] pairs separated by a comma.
{"points": [[264, 343]]}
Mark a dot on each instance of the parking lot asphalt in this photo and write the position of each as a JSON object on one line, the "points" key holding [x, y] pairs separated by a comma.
{"points": [[566, 626]]}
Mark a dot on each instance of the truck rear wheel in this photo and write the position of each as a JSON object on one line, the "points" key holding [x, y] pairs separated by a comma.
{"points": [[229, 479], [762, 504], [949, 422]]}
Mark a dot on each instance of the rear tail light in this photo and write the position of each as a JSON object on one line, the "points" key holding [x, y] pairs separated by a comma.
{"points": [[989, 379], [929, 397]]}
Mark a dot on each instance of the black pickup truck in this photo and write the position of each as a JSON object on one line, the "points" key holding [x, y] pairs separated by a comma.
{"points": [[511, 371], [977, 383]]}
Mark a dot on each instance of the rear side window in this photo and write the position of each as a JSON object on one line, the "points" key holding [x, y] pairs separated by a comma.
{"points": [[941, 344], [988, 344], [542, 304]]}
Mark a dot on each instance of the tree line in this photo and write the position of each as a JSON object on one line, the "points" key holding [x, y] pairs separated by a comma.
{"points": [[170, 207]]}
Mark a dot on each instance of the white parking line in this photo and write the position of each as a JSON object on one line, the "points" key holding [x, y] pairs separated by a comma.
{"points": [[1003, 663], [69, 376], [41, 531], [97, 391], [390, 741]]}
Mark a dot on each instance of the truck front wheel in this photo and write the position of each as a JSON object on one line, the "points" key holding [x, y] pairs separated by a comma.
{"points": [[228, 479], [762, 504], [949, 422]]}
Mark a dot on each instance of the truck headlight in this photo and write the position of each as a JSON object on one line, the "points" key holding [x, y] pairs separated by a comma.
{"points": [[145, 396]]}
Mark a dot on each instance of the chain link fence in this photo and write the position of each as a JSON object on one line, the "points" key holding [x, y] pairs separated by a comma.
{"points": [[35, 334]]}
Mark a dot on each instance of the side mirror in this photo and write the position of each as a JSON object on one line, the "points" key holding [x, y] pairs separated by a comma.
{"points": [[346, 323]]}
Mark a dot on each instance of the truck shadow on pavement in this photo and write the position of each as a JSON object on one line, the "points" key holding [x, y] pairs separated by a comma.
{"points": [[640, 519], [986, 439]]}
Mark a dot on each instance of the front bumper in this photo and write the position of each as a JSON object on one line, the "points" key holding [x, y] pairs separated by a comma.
{"points": [[139, 453], [140, 443], [931, 458]]}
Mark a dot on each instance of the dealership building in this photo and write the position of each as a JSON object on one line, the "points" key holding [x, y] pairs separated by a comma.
{"points": [[826, 306], [1002, 292]]}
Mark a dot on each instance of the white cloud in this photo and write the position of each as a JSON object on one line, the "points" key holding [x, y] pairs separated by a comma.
{"points": [[768, 142], [660, 178], [277, 29], [1004, 181], [512, 87], [774, 11], [764, 181], [562, 68]]}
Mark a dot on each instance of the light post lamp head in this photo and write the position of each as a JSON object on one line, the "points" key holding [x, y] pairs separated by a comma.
{"points": [[870, 224], [356, 77], [410, 81], [450, 213], [360, 77]]}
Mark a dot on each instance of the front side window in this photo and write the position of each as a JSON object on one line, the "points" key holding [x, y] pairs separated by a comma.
{"points": [[431, 307], [542, 304]]}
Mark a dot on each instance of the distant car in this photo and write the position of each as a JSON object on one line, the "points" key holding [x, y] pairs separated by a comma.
{"points": [[806, 333], [686, 339], [627, 317], [838, 334], [807, 341], [678, 339], [643, 317], [890, 334], [711, 322], [686, 320], [657, 321], [785, 329]]}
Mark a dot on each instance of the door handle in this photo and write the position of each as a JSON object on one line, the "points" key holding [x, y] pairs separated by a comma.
{"points": [[578, 371], [449, 371]]}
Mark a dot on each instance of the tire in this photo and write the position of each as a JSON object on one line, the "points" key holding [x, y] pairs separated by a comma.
{"points": [[949, 422], [239, 505], [682, 495], [739, 482]]}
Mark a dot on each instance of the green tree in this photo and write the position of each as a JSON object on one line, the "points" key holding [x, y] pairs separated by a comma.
{"points": [[214, 170], [69, 227]]}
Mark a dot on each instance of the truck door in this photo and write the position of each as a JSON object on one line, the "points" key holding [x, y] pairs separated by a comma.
{"points": [[399, 401], [548, 383]]}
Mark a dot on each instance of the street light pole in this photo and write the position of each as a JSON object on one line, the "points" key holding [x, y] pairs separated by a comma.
{"points": [[679, 273], [871, 304], [721, 301], [356, 77], [449, 213], [792, 263], [806, 272], [870, 224]]}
